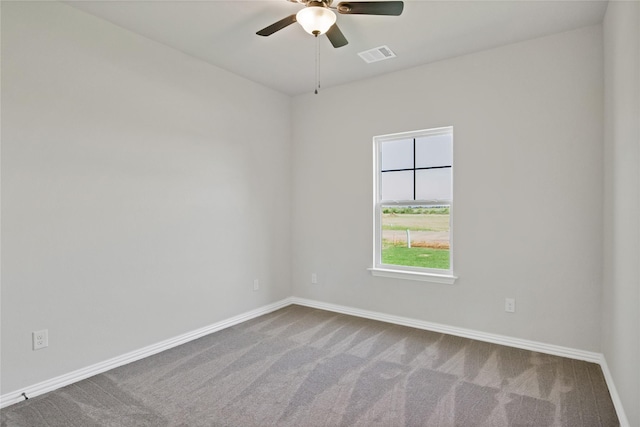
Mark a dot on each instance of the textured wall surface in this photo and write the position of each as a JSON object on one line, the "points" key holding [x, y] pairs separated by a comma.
{"points": [[621, 290], [142, 192], [527, 218]]}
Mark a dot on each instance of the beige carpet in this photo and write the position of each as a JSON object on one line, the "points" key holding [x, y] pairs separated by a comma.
{"points": [[305, 367]]}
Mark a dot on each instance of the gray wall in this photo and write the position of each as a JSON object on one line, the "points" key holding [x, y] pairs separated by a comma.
{"points": [[621, 290], [527, 189], [142, 192]]}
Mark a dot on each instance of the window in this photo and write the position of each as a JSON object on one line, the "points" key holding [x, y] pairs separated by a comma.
{"points": [[413, 190]]}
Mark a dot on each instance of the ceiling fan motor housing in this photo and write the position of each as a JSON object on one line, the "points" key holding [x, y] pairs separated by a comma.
{"points": [[325, 3], [315, 3]]}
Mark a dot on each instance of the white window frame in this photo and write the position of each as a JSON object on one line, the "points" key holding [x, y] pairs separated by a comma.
{"points": [[401, 271]]}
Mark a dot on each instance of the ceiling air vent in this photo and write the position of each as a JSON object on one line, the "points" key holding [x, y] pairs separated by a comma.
{"points": [[377, 54]]}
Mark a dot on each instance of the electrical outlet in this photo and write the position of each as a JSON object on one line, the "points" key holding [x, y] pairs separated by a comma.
{"points": [[314, 278], [256, 284], [510, 305], [40, 339]]}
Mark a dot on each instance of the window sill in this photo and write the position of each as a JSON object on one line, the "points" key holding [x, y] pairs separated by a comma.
{"points": [[413, 275]]}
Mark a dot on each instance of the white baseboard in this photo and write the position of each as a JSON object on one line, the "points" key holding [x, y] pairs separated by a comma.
{"points": [[482, 336], [615, 397], [459, 332], [81, 374]]}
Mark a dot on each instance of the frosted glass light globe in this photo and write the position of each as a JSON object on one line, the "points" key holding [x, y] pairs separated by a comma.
{"points": [[316, 20]]}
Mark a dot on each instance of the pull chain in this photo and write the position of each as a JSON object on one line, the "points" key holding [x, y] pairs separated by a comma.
{"points": [[317, 65]]}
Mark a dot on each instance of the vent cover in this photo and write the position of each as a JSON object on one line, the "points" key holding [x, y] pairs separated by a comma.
{"points": [[377, 54]]}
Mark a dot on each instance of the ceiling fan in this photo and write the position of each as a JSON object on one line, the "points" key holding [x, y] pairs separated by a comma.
{"points": [[318, 17]]}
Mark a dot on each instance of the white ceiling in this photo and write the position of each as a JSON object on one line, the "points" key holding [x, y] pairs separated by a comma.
{"points": [[223, 34]]}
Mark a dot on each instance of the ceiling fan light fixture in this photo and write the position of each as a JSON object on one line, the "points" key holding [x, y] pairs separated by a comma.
{"points": [[316, 20]]}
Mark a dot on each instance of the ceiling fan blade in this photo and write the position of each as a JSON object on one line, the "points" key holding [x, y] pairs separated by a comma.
{"points": [[393, 8], [267, 31], [336, 37]]}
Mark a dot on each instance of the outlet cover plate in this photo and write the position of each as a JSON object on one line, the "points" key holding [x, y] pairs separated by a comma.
{"points": [[510, 305], [40, 339]]}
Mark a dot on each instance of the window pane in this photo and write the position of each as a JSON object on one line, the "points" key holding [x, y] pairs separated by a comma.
{"points": [[397, 185], [433, 184], [434, 151], [397, 154], [414, 196], [426, 244]]}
